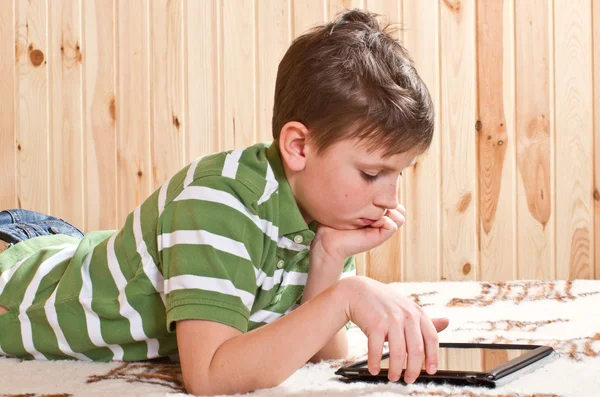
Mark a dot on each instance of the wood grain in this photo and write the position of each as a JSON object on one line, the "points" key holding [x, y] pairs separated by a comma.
{"points": [[203, 63], [496, 133], [273, 40], [459, 194], [166, 89], [100, 114], [305, 15], [239, 73], [534, 139], [32, 105], [574, 143], [385, 263], [596, 194], [334, 7], [65, 57], [423, 181], [133, 106], [8, 87]]}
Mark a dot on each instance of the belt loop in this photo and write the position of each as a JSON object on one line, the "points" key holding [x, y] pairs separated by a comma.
{"points": [[14, 215]]}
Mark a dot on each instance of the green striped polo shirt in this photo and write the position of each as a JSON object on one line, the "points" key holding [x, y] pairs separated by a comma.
{"points": [[222, 240]]}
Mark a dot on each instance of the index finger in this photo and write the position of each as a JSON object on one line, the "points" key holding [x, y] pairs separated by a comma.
{"points": [[375, 352]]}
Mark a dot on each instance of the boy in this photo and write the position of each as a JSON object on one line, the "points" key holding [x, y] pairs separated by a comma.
{"points": [[244, 253]]}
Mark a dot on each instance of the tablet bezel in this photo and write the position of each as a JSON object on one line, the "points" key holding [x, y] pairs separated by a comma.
{"points": [[475, 378]]}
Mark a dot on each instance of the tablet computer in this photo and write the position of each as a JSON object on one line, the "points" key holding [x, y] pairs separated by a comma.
{"points": [[467, 364]]}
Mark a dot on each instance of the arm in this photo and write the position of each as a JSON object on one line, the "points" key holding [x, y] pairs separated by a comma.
{"points": [[218, 359], [324, 272]]}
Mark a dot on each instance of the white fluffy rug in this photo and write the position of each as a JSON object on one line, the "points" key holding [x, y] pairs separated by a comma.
{"points": [[565, 315]]}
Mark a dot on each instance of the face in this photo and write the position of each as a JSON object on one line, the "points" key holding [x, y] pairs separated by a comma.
{"points": [[347, 187]]}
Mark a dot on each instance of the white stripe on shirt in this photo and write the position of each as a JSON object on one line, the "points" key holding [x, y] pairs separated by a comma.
{"points": [[203, 237], [222, 286], [150, 269], [284, 242], [63, 344], [217, 196], [30, 293], [7, 275], [136, 325], [231, 163], [91, 318], [270, 187]]}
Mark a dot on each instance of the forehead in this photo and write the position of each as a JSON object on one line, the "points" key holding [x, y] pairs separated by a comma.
{"points": [[359, 153]]}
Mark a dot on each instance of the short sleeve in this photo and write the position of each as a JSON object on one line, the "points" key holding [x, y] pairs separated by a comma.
{"points": [[208, 244]]}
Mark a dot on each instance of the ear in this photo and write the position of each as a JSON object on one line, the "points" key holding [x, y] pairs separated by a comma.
{"points": [[293, 145]]}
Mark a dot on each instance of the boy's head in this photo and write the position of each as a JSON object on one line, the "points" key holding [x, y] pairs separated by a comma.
{"points": [[349, 102]]}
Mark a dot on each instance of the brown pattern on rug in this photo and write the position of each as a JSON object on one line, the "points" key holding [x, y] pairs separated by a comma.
{"points": [[36, 395], [159, 372], [519, 292], [467, 393], [576, 349], [507, 325], [417, 298]]}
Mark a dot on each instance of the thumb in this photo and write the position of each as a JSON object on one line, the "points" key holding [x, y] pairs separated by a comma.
{"points": [[440, 323]]}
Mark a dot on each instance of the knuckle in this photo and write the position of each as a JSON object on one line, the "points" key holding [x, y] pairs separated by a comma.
{"points": [[416, 350]]}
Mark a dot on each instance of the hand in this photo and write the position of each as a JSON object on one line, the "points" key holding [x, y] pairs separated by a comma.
{"points": [[383, 314], [341, 244]]}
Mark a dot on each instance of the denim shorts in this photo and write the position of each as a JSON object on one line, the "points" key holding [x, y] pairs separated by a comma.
{"points": [[18, 225]]}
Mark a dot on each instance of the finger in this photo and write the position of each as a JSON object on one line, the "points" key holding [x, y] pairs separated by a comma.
{"points": [[440, 324], [431, 343], [378, 223], [397, 349], [397, 217], [375, 348], [415, 348], [400, 208]]}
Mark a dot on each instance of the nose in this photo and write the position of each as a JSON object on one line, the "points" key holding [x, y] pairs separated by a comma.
{"points": [[387, 196]]}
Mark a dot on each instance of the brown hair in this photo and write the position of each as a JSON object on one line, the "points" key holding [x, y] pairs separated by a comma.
{"points": [[350, 78]]}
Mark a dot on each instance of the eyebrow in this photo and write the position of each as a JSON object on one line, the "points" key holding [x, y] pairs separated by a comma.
{"points": [[386, 167]]}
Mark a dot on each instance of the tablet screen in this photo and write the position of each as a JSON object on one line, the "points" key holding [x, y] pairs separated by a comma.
{"points": [[470, 359]]}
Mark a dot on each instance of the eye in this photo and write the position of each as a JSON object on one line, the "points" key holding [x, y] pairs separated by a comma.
{"points": [[368, 177]]}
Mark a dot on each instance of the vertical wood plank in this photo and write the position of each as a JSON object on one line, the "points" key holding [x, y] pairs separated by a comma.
{"points": [[534, 139], [239, 73], [166, 89], [596, 47], [306, 14], [334, 7], [32, 105], [100, 115], [203, 62], [423, 180], [385, 263], [8, 87], [574, 139], [133, 110], [273, 40], [495, 95], [65, 118], [459, 194]]}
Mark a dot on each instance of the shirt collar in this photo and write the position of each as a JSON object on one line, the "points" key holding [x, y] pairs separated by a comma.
{"points": [[291, 219]]}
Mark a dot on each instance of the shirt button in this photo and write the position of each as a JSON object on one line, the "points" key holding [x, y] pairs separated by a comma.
{"points": [[298, 239], [280, 264]]}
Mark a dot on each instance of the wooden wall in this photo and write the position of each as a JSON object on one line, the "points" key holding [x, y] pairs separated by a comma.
{"points": [[102, 100]]}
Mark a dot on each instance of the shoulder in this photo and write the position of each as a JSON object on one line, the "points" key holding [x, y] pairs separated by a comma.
{"points": [[238, 174]]}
